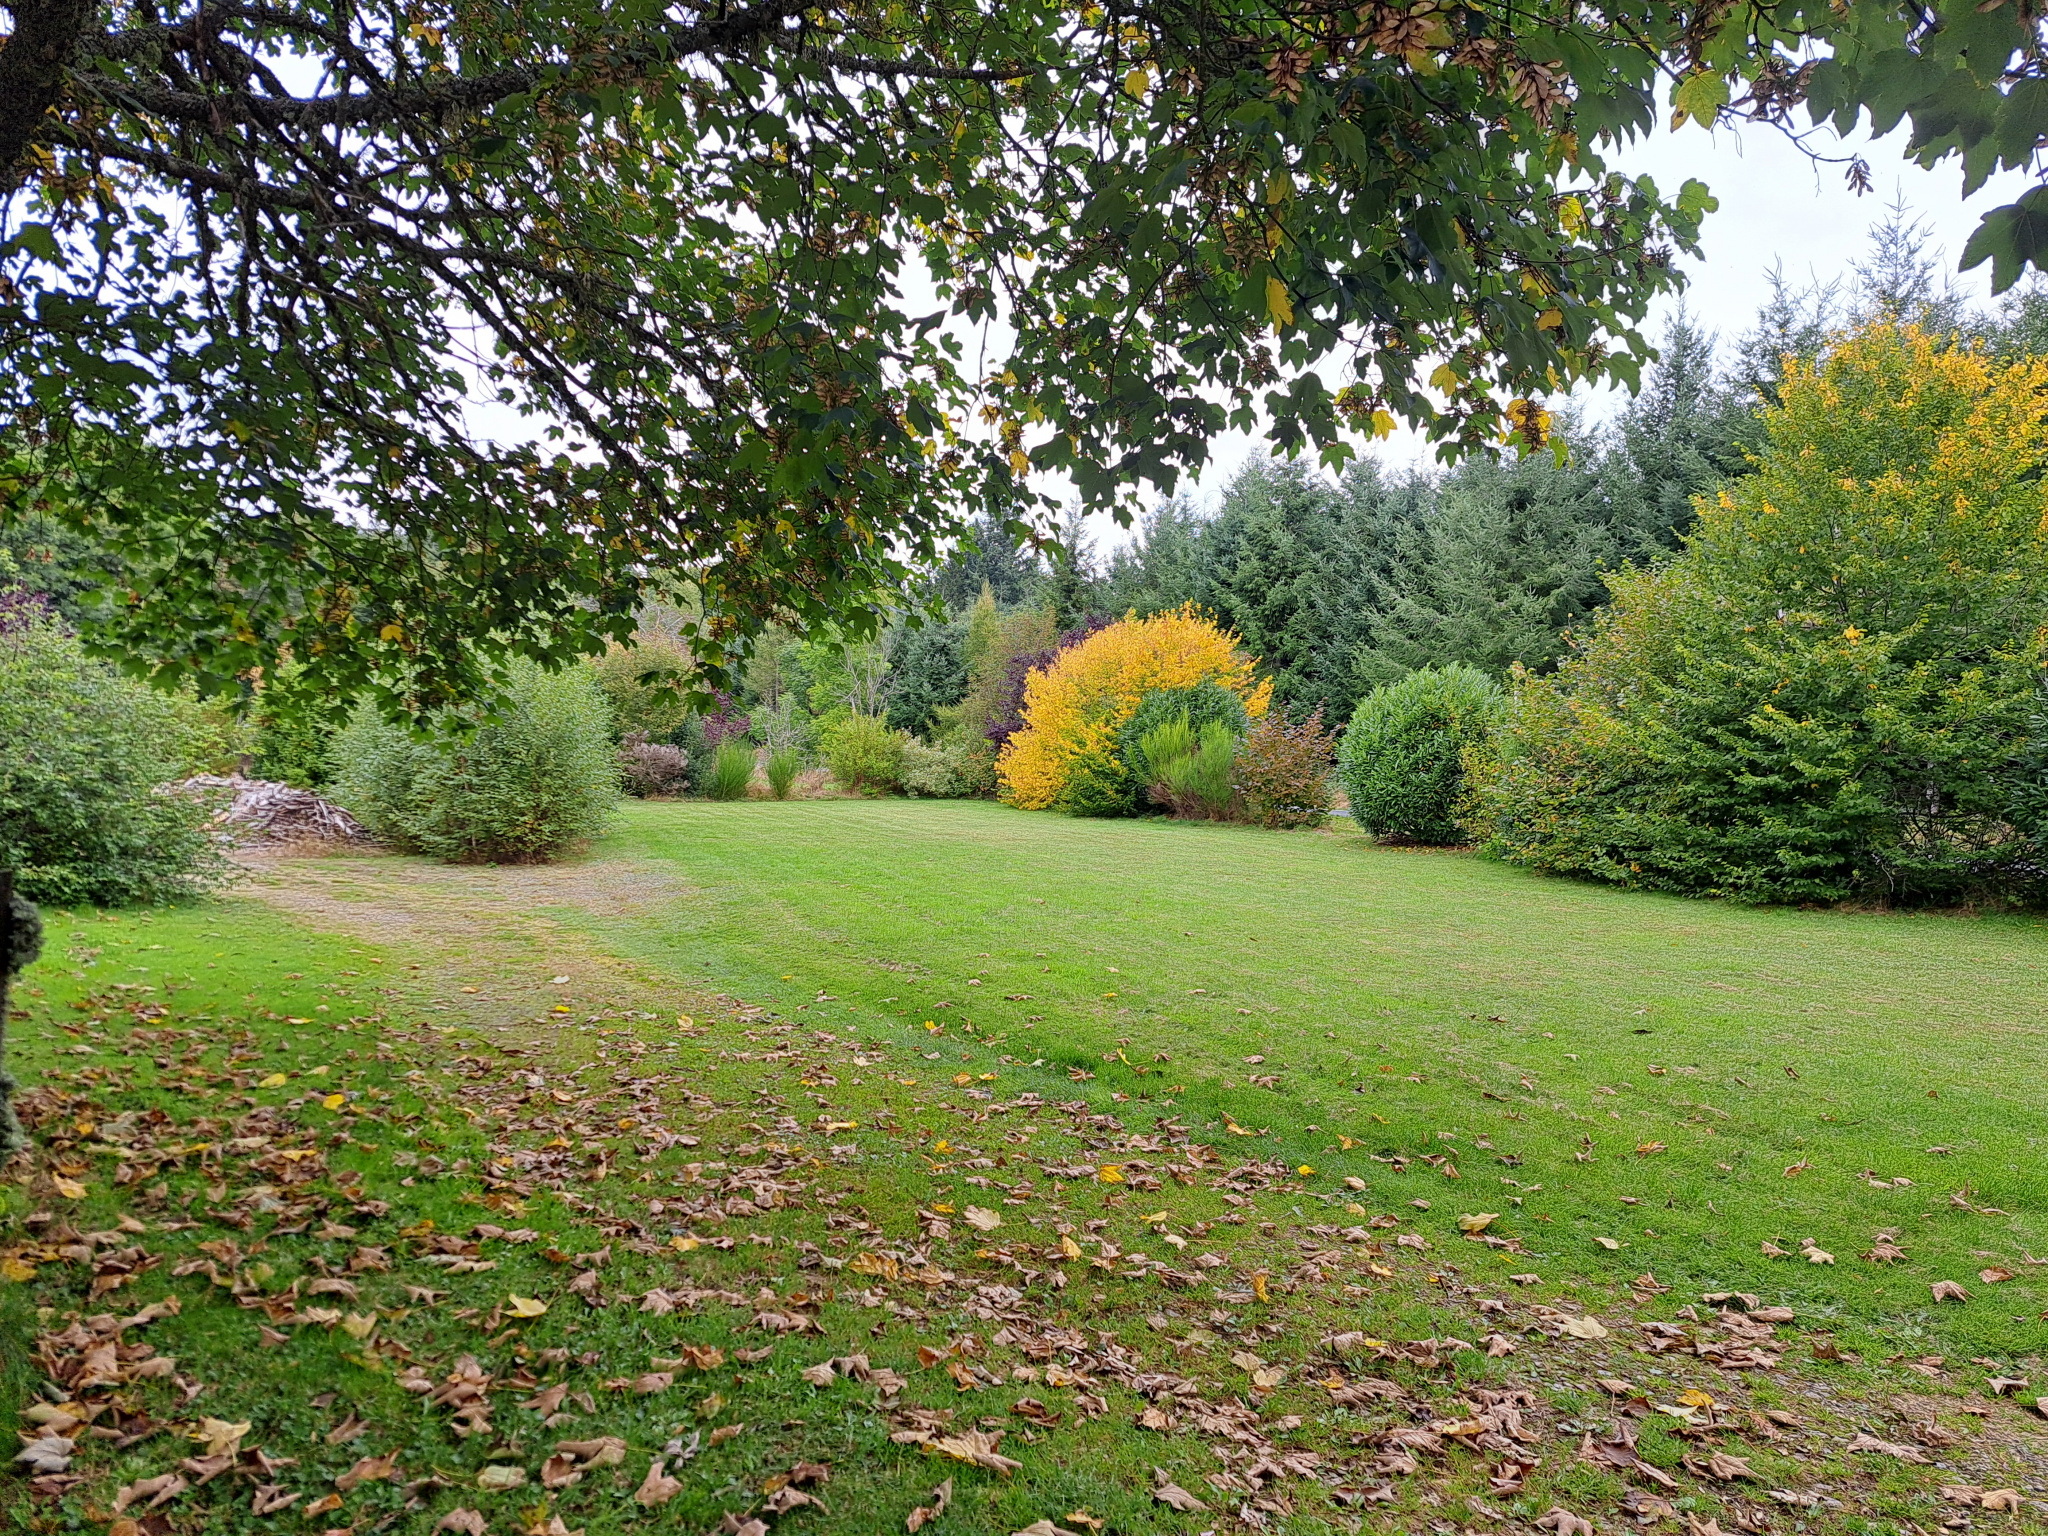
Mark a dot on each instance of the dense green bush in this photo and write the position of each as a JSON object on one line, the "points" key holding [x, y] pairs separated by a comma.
{"points": [[292, 736], [82, 751], [649, 709], [526, 781], [1829, 695], [863, 753], [952, 768], [1401, 761]]}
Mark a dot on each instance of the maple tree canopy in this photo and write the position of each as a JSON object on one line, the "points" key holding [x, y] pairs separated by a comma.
{"points": [[262, 261]]}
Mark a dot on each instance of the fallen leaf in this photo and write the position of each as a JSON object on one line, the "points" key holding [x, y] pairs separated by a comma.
{"points": [[1948, 1290], [525, 1306], [980, 1219], [657, 1488], [465, 1522], [1172, 1495], [1565, 1523], [2005, 1499], [1994, 1276], [369, 1469], [1478, 1222], [1584, 1328], [924, 1514], [1871, 1443], [499, 1477], [156, 1490]]}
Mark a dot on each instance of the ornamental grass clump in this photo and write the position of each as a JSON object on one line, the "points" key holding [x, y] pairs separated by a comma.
{"points": [[1066, 756], [732, 770], [784, 764], [1190, 768]]}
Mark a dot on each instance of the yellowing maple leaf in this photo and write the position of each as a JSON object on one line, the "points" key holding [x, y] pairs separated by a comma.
{"points": [[525, 1306]]}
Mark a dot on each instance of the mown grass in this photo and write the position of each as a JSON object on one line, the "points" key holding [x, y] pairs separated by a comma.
{"points": [[1403, 998], [857, 921]]}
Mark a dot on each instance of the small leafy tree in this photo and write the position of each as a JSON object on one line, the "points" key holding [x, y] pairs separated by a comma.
{"points": [[82, 753], [1830, 693]]}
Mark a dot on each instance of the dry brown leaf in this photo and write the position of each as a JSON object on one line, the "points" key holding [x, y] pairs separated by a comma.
{"points": [[465, 1522], [1948, 1290], [924, 1514], [370, 1469], [1866, 1442], [1172, 1495], [1587, 1327], [1565, 1523], [155, 1490], [657, 1488]]}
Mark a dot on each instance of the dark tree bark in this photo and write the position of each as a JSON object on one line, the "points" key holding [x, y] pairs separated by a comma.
{"points": [[32, 75]]}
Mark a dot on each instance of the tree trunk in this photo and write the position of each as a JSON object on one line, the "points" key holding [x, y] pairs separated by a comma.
{"points": [[32, 75]]}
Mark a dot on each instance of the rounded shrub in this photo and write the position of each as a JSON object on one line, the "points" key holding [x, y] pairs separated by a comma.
{"points": [[1401, 763], [524, 782], [83, 751], [864, 754], [1065, 756]]}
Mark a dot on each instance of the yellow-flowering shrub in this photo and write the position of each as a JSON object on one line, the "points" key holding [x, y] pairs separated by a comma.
{"points": [[1073, 707]]}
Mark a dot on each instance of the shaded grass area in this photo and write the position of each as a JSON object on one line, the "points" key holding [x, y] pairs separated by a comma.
{"points": [[798, 1183]]}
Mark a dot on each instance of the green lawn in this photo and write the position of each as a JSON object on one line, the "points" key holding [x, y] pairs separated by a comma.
{"points": [[359, 1117], [1424, 1004]]}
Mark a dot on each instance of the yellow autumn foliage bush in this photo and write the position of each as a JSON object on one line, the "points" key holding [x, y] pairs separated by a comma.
{"points": [[1074, 706]]}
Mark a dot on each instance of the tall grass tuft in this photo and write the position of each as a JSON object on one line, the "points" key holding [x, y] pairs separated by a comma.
{"points": [[732, 770], [783, 767]]}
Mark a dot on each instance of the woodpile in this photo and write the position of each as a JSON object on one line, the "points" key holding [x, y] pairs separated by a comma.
{"points": [[259, 812]]}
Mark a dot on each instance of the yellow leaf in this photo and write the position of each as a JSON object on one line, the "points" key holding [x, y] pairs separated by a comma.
{"points": [[1571, 214], [1136, 81], [1110, 1174], [20, 1271], [1693, 1397], [1383, 425], [1700, 96], [335, 1100], [275, 1080], [1020, 463], [70, 1189], [1445, 377], [1278, 304], [1550, 320], [391, 632], [1479, 1222], [525, 1306], [1069, 1248], [1155, 1216], [1259, 1286], [683, 1244]]}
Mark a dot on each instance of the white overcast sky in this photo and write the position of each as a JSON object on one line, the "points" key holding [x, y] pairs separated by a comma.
{"points": [[1776, 206]]}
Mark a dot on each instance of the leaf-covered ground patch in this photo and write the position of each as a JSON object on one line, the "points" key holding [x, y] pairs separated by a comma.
{"points": [[585, 1249]]}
